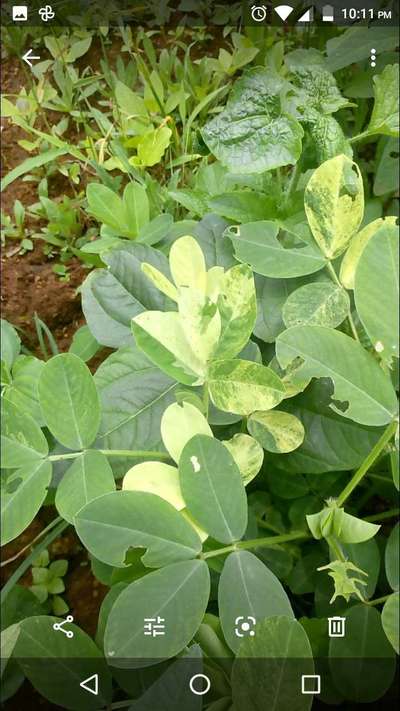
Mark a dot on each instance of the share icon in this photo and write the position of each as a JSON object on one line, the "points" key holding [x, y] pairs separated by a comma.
{"points": [[58, 626]]}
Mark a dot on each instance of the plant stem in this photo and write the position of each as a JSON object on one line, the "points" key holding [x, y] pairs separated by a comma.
{"points": [[291, 184], [383, 516], [379, 600], [367, 463], [25, 548], [132, 454], [206, 399], [359, 137], [23, 567], [257, 543], [335, 547]]}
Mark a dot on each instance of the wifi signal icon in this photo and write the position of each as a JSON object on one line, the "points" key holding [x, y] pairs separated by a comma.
{"points": [[283, 11]]}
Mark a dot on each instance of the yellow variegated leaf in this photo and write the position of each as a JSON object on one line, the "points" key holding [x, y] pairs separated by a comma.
{"points": [[187, 264], [247, 453], [155, 478], [201, 322], [179, 424], [215, 277], [356, 248], [160, 281], [276, 431], [334, 204]]}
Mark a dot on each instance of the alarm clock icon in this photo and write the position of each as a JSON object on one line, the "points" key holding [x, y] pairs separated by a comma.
{"points": [[258, 13]]}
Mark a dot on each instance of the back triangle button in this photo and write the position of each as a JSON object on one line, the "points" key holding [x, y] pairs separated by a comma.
{"points": [[91, 684]]}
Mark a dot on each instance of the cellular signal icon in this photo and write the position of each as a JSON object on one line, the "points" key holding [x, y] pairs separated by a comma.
{"points": [[283, 11], [308, 16]]}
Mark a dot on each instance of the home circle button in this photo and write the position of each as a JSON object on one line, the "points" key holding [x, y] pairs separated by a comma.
{"points": [[200, 684]]}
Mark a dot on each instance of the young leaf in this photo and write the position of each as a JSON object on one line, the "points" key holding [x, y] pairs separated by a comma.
{"points": [[320, 304], [66, 380], [247, 453], [238, 310], [163, 593], [112, 297], [114, 523], [258, 593], [242, 386], [39, 648], [276, 431], [153, 144], [155, 478], [360, 240], [359, 382], [362, 666], [256, 243], [84, 345], [106, 206], [270, 665], [187, 264], [161, 336], [207, 471], [390, 620], [22, 441], [376, 291], [23, 493], [135, 209], [22, 391], [179, 424], [89, 476], [254, 133], [385, 114], [334, 204]]}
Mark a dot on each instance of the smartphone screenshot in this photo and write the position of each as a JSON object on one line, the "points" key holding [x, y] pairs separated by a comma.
{"points": [[199, 355]]}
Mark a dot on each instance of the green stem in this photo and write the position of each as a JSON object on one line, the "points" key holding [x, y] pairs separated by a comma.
{"points": [[23, 567], [257, 543], [379, 600], [367, 463], [383, 516], [206, 399], [132, 454], [291, 184], [359, 137], [335, 547]]}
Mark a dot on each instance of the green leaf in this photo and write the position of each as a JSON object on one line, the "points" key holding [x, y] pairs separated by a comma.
{"points": [[136, 209], [30, 164], [376, 291], [254, 133], [163, 593], [242, 386], [84, 344], [238, 309], [155, 478], [320, 304], [269, 667], [39, 648], [207, 471], [323, 428], [334, 204], [23, 493], [155, 230], [271, 296], [357, 245], [89, 476], [152, 146], [329, 139], [256, 243], [114, 523], [385, 114], [359, 383], [10, 343], [367, 557], [179, 424], [67, 381], [390, 620], [134, 395], [23, 391], [22, 441], [387, 169], [112, 297], [276, 431], [247, 453], [9, 638], [106, 206], [392, 558], [363, 663], [242, 205], [258, 593], [355, 44]]}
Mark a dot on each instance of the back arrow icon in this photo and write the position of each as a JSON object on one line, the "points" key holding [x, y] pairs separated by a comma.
{"points": [[92, 689], [28, 56]]}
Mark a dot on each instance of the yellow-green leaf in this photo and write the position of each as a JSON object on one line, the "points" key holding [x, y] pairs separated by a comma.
{"points": [[155, 478], [179, 424], [242, 387], [247, 453], [276, 431], [356, 248]]}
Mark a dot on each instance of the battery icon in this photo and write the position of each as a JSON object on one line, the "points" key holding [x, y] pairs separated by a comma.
{"points": [[327, 13]]}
